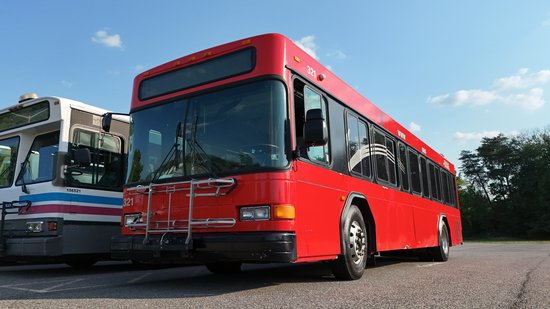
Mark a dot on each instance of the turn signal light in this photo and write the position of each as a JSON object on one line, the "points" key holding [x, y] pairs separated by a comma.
{"points": [[284, 211]]}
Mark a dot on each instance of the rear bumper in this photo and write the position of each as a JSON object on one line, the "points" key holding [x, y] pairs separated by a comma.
{"points": [[207, 247]]}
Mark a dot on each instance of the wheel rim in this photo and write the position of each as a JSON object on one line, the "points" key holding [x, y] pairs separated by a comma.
{"points": [[357, 242], [445, 241]]}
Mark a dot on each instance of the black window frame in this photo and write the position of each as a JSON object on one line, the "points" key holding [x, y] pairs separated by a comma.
{"points": [[362, 164], [418, 170], [404, 174], [387, 137], [96, 155], [20, 177], [303, 151], [425, 177], [22, 108]]}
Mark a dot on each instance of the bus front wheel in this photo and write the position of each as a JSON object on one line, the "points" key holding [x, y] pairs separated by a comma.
{"points": [[350, 265]]}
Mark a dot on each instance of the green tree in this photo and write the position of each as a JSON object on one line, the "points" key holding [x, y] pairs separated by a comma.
{"points": [[506, 190]]}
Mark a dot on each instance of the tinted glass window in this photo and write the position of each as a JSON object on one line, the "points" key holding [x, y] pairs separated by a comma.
{"points": [[8, 160], [403, 167], [385, 157], [434, 181], [425, 182], [39, 166], [390, 150], [364, 148], [106, 169], [416, 183], [380, 155], [218, 68], [445, 187], [233, 130], [305, 99], [26, 115], [358, 146]]}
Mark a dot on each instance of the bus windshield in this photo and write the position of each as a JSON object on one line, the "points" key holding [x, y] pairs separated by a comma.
{"points": [[8, 158], [234, 130]]}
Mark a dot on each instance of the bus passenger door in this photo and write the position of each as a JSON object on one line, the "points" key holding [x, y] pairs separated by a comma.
{"points": [[317, 196]]}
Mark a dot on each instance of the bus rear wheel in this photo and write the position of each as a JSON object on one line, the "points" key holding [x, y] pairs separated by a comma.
{"points": [[441, 252], [224, 268], [351, 264], [80, 262]]}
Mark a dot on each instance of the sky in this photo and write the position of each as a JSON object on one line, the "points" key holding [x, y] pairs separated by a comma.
{"points": [[450, 71]]}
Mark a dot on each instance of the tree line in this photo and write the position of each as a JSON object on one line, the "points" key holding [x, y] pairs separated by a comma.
{"points": [[504, 187]]}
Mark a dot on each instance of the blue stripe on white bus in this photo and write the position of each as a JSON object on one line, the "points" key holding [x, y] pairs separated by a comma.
{"points": [[59, 196]]}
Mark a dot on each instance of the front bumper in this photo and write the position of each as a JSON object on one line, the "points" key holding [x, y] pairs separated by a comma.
{"points": [[206, 248]]}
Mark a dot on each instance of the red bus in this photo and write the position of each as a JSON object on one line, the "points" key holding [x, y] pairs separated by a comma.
{"points": [[254, 152]]}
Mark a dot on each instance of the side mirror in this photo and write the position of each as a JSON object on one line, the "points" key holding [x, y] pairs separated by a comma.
{"points": [[82, 157], [315, 128], [106, 122]]}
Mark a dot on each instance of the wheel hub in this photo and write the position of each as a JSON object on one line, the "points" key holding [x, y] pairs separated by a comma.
{"points": [[357, 242]]}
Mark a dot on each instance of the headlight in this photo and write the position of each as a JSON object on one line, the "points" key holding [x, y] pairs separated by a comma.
{"points": [[34, 227], [256, 213], [132, 219]]}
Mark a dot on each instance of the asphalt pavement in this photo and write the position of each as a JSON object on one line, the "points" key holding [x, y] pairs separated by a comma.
{"points": [[477, 275]]}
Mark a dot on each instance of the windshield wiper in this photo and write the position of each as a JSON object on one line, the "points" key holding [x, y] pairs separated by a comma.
{"points": [[22, 173], [197, 150], [165, 164]]}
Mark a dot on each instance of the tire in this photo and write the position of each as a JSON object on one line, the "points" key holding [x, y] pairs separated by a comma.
{"points": [[351, 264], [224, 268], [441, 252], [81, 262]]}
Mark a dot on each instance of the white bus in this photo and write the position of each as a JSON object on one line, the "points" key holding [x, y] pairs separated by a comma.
{"points": [[61, 179]]}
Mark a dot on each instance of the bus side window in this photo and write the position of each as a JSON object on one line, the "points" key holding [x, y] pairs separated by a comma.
{"points": [[384, 153], [403, 167], [358, 146], [425, 183], [305, 99], [416, 182], [445, 187], [106, 167], [434, 181]]}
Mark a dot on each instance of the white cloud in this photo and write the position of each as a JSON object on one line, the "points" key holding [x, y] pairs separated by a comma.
{"points": [[463, 97], [66, 84], [531, 100], [414, 127], [522, 80], [518, 90], [338, 54], [307, 43], [138, 68], [463, 137], [110, 40]]}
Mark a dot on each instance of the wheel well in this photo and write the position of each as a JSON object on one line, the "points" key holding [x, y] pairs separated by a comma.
{"points": [[364, 207]]}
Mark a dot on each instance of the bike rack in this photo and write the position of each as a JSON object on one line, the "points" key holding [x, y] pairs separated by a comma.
{"points": [[197, 188], [9, 208]]}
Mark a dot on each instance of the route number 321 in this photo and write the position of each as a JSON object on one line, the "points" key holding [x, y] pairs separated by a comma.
{"points": [[311, 71]]}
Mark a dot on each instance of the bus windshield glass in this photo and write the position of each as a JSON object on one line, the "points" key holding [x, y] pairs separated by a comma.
{"points": [[234, 130], [8, 158], [18, 117]]}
